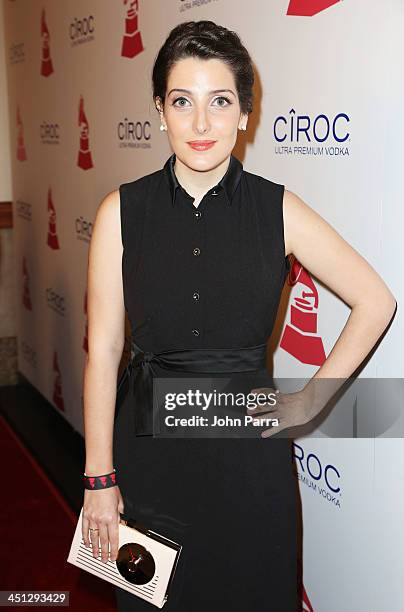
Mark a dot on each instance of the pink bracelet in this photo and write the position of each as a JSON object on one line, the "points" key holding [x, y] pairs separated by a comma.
{"points": [[104, 481]]}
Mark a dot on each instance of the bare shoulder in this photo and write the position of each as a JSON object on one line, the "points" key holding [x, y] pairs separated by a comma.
{"points": [[108, 219], [322, 251], [299, 218], [304, 226], [109, 206]]}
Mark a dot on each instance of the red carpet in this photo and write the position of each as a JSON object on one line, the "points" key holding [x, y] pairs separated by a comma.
{"points": [[37, 527]]}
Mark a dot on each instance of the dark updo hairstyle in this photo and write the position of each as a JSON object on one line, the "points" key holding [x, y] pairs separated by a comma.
{"points": [[205, 40]]}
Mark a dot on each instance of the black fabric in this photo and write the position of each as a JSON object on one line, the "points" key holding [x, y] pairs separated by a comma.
{"points": [[141, 371], [228, 183], [232, 503]]}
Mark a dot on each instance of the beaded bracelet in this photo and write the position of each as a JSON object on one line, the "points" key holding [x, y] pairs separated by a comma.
{"points": [[100, 482]]}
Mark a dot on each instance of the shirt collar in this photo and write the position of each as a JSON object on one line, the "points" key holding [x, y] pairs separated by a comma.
{"points": [[228, 182]]}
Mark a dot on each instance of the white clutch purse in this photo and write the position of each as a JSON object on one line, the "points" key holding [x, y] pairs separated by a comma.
{"points": [[145, 564]]}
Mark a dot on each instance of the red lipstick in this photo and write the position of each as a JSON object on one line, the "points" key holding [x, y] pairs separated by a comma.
{"points": [[201, 145]]}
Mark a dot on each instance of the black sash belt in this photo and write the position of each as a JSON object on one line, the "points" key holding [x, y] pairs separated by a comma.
{"points": [[230, 360]]}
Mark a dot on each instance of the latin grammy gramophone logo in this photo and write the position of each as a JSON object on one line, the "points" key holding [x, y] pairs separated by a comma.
{"points": [[46, 62], [308, 8], [21, 153], [53, 241], [300, 337], [84, 159], [57, 384], [306, 605], [132, 43], [26, 294]]}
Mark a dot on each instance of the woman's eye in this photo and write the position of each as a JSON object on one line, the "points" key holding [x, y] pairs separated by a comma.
{"points": [[181, 99], [220, 100], [227, 101]]}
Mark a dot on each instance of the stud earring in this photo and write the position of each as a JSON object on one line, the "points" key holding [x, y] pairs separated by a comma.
{"points": [[163, 128]]}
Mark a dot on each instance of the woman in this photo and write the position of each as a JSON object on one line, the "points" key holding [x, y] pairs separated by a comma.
{"points": [[204, 246]]}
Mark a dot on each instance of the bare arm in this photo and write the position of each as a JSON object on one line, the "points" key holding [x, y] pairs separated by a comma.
{"points": [[106, 335], [323, 252]]}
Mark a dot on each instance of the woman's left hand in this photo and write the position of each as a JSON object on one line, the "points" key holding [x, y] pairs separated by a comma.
{"points": [[290, 409]]}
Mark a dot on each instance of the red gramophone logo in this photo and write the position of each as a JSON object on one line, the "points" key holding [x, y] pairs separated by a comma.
{"points": [[85, 339], [306, 605], [26, 295], [21, 153], [84, 160], [57, 384], [300, 337], [308, 8], [132, 39], [46, 63], [53, 241]]}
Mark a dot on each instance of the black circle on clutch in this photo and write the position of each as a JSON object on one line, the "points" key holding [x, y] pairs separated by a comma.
{"points": [[135, 563]]}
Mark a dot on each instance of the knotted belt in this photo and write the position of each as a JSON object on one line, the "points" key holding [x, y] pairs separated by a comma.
{"points": [[210, 361]]}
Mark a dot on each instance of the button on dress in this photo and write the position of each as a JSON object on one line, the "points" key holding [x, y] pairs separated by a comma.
{"points": [[209, 276]]}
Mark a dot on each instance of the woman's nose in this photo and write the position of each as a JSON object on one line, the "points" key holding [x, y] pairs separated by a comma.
{"points": [[201, 122]]}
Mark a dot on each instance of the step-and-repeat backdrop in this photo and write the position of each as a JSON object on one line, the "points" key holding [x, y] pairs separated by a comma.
{"points": [[327, 124]]}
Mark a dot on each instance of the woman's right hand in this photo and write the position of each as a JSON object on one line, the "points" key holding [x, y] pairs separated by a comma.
{"points": [[101, 509]]}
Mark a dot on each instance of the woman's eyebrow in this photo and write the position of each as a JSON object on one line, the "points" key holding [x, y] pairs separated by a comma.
{"points": [[213, 91]]}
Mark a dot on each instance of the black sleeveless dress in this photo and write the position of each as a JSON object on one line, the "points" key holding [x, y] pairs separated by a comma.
{"points": [[208, 277]]}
